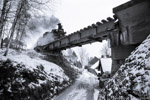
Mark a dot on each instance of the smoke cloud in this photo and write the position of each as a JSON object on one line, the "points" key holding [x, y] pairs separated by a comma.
{"points": [[45, 39], [37, 27]]}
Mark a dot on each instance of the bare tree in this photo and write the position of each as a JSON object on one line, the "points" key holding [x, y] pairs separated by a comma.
{"points": [[20, 7], [3, 18], [105, 51], [21, 26], [83, 55], [16, 13]]}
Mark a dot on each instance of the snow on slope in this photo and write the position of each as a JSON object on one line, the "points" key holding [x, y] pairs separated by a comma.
{"points": [[26, 75], [132, 80], [31, 59]]}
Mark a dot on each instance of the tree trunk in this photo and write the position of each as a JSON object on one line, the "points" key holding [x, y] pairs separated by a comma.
{"points": [[20, 5], [12, 34], [2, 18], [17, 37]]}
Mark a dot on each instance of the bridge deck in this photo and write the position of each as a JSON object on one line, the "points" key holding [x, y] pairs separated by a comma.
{"points": [[93, 33]]}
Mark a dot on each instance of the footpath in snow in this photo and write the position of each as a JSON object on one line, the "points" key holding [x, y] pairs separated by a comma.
{"points": [[83, 89]]}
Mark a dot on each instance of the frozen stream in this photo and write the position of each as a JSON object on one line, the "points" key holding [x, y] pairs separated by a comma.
{"points": [[83, 89]]}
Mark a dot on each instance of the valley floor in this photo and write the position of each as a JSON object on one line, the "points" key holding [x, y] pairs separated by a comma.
{"points": [[83, 89]]}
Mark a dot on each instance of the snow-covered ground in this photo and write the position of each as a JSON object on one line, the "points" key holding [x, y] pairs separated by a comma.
{"points": [[132, 80], [83, 89], [31, 59], [30, 72]]}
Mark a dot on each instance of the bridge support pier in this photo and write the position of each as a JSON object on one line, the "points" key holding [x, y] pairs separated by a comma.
{"points": [[133, 27], [119, 54]]}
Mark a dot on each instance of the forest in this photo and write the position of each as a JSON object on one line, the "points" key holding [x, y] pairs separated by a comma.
{"points": [[14, 18]]}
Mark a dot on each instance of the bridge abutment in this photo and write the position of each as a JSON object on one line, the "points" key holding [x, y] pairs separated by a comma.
{"points": [[119, 54], [133, 27]]}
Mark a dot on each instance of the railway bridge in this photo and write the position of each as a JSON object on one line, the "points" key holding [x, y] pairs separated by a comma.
{"points": [[129, 26]]}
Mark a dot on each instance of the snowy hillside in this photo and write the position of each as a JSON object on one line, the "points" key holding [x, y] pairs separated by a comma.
{"points": [[24, 74], [132, 80]]}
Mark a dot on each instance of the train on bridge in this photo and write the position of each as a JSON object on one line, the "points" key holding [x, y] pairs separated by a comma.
{"points": [[129, 27], [90, 34]]}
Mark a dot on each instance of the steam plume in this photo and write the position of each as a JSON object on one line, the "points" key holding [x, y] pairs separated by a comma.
{"points": [[38, 26]]}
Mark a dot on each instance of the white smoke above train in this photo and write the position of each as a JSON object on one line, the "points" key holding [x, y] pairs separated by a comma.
{"points": [[37, 27], [45, 39]]}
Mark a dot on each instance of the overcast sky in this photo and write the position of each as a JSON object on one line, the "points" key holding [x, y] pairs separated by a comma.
{"points": [[77, 14]]}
